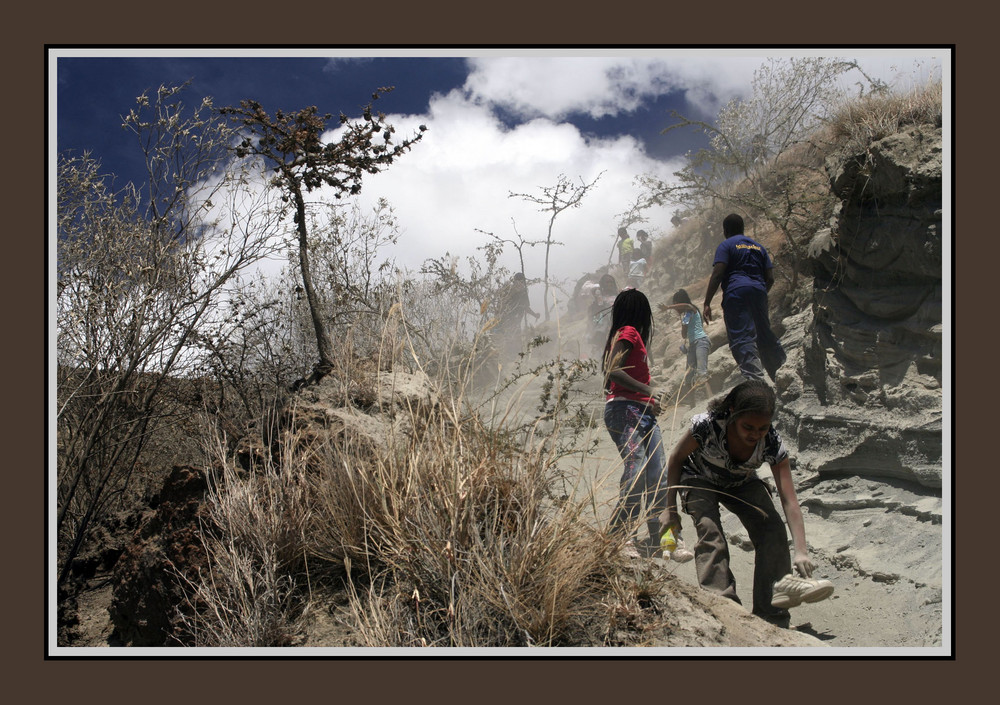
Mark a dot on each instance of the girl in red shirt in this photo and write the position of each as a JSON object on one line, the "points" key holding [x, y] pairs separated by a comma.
{"points": [[630, 416]]}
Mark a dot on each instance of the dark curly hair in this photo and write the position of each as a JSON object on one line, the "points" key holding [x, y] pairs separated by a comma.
{"points": [[751, 396]]}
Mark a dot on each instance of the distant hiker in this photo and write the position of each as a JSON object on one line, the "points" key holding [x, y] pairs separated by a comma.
{"points": [[743, 268], [630, 412], [600, 311], [608, 290], [513, 305], [645, 248], [584, 294], [696, 345], [604, 299], [636, 271], [625, 249], [715, 463]]}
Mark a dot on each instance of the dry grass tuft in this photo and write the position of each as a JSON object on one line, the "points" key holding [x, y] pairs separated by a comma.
{"points": [[459, 531], [461, 523], [256, 545], [862, 121]]}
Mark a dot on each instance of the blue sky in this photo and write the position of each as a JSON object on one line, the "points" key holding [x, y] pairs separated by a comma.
{"points": [[499, 122], [94, 91]]}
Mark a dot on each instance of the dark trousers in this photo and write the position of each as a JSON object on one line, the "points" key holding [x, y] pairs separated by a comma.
{"points": [[752, 504], [748, 326]]}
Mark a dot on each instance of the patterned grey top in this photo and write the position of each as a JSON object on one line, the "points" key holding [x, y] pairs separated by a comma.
{"points": [[712, 461]]}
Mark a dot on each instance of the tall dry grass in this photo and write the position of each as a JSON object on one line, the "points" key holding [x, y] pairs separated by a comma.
{"points": [[254, 591], [453, 526], [860, 122], [467, 529], [465, 533]]}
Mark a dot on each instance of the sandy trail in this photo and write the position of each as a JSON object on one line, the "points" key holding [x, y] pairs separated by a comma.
{"points": [[880, 609]]}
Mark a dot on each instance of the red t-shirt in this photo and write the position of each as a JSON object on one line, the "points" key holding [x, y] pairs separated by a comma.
{"points": [[634, 364]]}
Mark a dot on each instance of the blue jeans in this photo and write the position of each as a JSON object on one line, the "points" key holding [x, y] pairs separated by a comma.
{"points": [[748, 327], [635, 432], [697, 360]]}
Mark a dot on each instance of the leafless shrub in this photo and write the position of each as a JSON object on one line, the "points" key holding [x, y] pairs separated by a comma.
{"points": [[136, 282]]}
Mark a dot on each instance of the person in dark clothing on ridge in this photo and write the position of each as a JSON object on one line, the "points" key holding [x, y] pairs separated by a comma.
{"points": [[645, 248], [743, 268], [512, 307]]}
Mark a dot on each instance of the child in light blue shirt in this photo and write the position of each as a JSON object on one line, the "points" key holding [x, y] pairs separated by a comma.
{"points": [[697, 345]]}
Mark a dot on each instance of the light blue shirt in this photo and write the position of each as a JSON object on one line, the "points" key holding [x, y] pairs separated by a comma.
{"points": [[692, 319]]}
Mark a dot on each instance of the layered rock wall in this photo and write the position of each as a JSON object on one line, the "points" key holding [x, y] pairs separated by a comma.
{"points": [[871, 357]]}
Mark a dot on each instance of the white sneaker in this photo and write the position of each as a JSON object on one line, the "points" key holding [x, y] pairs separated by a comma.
{"points": [[681, 554], [792, 591]]}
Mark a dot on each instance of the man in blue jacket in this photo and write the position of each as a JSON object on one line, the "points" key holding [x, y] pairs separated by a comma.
{"points": [[743, 268]]}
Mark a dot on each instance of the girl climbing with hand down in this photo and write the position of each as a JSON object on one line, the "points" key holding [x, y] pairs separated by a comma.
{"points": [[630, 416], [696, 345], [715, 463]]}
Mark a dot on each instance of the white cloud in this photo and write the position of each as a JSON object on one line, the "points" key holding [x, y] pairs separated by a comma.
{"points": [[600, 86], [457, 180], [556, 87]]}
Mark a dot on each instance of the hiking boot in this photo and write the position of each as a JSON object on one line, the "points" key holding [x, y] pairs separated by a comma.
{"points": [[792, 591]]}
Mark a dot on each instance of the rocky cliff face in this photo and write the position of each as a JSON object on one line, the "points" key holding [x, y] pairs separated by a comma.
{"points": [[860, 396], [870, 363], [866, 394]]}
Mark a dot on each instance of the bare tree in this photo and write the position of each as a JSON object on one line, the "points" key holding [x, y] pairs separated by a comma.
{"points": [[136, 281], [760, 159], [290, 145], [480, 286], [554, 200], [518, 242]]}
